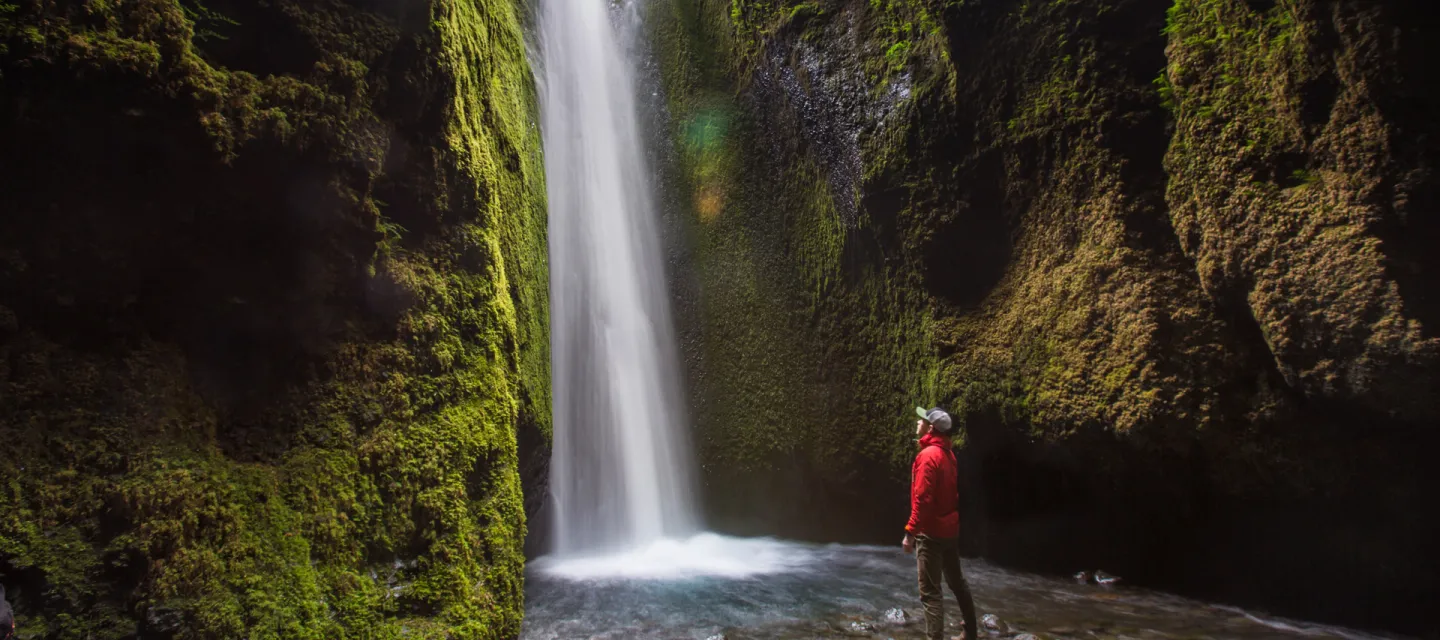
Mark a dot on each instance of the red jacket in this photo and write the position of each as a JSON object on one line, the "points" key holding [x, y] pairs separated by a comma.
{"points": [[934, 490]]}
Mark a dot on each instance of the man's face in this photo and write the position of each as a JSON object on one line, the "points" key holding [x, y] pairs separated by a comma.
{"points": [[921, 427]]}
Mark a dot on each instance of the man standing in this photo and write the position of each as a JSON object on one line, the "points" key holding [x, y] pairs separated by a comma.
{"points": [[934, 526]]}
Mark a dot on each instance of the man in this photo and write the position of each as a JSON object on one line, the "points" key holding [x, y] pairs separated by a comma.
{"points": [[934, 526]]}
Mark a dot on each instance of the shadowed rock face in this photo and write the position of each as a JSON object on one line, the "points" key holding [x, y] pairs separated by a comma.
{"points": [[272, 316], [1162, 256], [7, 615]]}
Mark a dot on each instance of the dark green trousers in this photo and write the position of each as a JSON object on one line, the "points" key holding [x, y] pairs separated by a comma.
{"points": [[938, 557]]}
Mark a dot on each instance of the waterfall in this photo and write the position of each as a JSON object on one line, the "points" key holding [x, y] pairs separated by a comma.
{"points": [[620, 470]]}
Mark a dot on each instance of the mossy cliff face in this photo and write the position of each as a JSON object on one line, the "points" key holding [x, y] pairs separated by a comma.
{"points": [[272, 317], [809, 346], [1162, 258], [1302, 182]]}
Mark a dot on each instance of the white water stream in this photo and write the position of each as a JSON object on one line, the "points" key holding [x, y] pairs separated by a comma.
{"points": [[621, 468]]}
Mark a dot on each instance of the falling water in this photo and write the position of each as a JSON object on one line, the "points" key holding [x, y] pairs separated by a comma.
{"points": [[620, 471]]}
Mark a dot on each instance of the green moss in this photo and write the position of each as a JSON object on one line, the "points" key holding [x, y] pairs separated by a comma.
{"points": [[493, 136], [208, 24], [368, 486], [1067, 97], [1263, 104], [1254, 47], [897, 53], [805, 10]]}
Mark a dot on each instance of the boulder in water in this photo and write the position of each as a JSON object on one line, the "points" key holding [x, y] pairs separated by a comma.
{"points": [[1026, 636], [1105, 580], [897, 616], [1082, 577], [994, 623]]}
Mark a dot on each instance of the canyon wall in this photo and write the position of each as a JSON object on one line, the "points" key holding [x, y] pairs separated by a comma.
{"points": [[272, 317], [1165, 260]]}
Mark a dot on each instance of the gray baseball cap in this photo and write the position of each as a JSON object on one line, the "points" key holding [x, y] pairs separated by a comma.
{"points": [[936, 417]]}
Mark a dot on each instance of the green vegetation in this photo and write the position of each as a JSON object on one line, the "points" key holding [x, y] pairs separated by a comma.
{"points": [[148, 485], [1264, 104], [1247, 48], [207, 23]]}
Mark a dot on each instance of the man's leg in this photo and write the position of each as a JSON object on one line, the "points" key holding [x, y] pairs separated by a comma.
{"points": [[956, 579], [931, 560]]}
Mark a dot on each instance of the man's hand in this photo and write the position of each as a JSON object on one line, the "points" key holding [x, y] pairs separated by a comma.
{"points": [[908, 544]]}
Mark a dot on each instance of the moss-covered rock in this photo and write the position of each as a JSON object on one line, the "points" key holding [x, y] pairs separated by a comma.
{"points": [[1300, 186], [272, 283], [1170, 297], [808, 352]]}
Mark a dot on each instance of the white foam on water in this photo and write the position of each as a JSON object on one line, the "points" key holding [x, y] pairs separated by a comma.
{"points": [[1302, 628], [699, 556]]}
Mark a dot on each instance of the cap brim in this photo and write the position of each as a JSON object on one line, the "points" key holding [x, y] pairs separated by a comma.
{"points": [[920, 411]]}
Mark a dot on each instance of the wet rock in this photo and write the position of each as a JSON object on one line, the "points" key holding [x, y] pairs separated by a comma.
{"points": [[897, 616], [164, 620], [718, 636], [1105, 580], [994, 623], [1082, 577], [7, 616], [862, 627], [1026, 636]]}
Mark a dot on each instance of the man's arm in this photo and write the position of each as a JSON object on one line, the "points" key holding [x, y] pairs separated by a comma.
{"points": [[922, 491]]}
